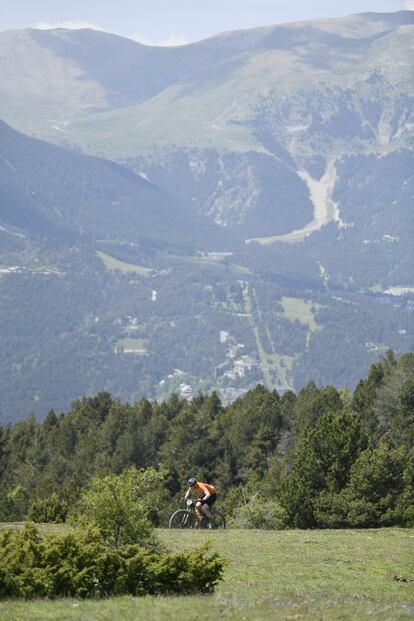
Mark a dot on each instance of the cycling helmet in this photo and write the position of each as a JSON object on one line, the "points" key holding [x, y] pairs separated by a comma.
{"points": [[192, 481]]}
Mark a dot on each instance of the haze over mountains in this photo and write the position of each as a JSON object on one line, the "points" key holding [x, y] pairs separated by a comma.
{"points": [[288, 146], [49, 190], [226, 122]]}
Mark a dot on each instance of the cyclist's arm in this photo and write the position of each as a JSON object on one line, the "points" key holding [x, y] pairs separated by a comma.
{"points": [[188, 493], [206, 493]]}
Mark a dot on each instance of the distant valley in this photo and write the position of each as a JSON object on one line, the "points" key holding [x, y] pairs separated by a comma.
{"points": [[204, 217]]}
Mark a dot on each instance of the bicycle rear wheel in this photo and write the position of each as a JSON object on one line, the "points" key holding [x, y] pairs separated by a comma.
{"points": [[218, 521], [182, 519]]}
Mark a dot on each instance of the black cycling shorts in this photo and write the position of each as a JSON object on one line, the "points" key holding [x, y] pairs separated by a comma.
{"points": [[209, 501]]}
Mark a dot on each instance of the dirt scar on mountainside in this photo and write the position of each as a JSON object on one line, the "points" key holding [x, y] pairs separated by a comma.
{"points": [[325, 209]]}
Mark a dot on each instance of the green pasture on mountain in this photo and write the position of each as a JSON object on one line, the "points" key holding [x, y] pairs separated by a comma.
{"points": [[270, 575]]}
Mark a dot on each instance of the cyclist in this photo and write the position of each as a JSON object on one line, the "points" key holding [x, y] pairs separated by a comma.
{"points": [[205, 501]]}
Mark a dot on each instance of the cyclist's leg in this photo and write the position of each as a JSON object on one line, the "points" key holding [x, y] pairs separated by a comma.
{"points": [[207, 512], [202, 510], [199, 510], [207, 504]]}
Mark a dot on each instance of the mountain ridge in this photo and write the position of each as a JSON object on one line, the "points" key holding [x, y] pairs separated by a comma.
{"points": [[113, 83], [54, 191]]}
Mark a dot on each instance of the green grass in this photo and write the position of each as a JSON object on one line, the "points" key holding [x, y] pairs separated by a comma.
{"points": [[214, 260], [276, 368], [281, 365], [297, 309], [115, 264], [263, 355], [200, 111], [271, 576]]}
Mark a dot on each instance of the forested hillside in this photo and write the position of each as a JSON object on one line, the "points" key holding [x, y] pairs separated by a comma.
{"points": [[54, 192], [252, 221], [319, 457], [146, 320]]}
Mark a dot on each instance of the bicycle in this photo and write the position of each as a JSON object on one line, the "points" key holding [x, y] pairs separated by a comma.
{"points": [[186, 518]]}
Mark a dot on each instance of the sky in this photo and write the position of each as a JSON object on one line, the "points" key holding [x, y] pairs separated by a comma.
{"points": [[176, 22]]}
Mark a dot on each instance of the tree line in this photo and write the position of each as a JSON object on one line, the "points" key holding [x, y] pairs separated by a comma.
{"points": [[320, 457]]}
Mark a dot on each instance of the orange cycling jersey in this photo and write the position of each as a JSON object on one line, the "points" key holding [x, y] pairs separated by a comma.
{"points": [[205, 488]]}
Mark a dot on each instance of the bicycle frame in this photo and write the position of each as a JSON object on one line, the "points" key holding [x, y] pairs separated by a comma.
{"points": [[191, 519]]}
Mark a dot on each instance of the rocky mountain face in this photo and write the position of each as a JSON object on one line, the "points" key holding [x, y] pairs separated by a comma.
{"points": [[263, 177]]}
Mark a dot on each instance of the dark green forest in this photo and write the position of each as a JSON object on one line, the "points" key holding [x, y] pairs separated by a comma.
{"points": [[318, 457]]}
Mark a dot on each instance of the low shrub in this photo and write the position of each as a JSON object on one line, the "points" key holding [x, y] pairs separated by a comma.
{"points": [[115, 504], [48, 510], [79, 564], [260, 513]]}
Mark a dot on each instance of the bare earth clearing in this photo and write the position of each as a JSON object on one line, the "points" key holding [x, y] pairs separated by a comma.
{"points": [[324, 207]]}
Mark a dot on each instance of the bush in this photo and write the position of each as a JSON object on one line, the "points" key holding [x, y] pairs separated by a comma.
{"points": [[259, 513], [15, 503], [79, 564], [48, 510], [115, 505]]}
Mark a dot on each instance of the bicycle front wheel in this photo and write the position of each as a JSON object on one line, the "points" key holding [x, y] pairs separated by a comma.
{"points": [[182, 519]]}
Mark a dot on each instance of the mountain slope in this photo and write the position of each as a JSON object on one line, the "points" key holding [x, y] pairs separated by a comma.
{"points": [[48, 190], [282, 107], [237, 125], [96, 70], [213, 103], [295, 138]]}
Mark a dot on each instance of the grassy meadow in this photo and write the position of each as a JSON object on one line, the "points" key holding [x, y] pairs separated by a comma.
{"points": [[115, 264], [271, 575]]}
